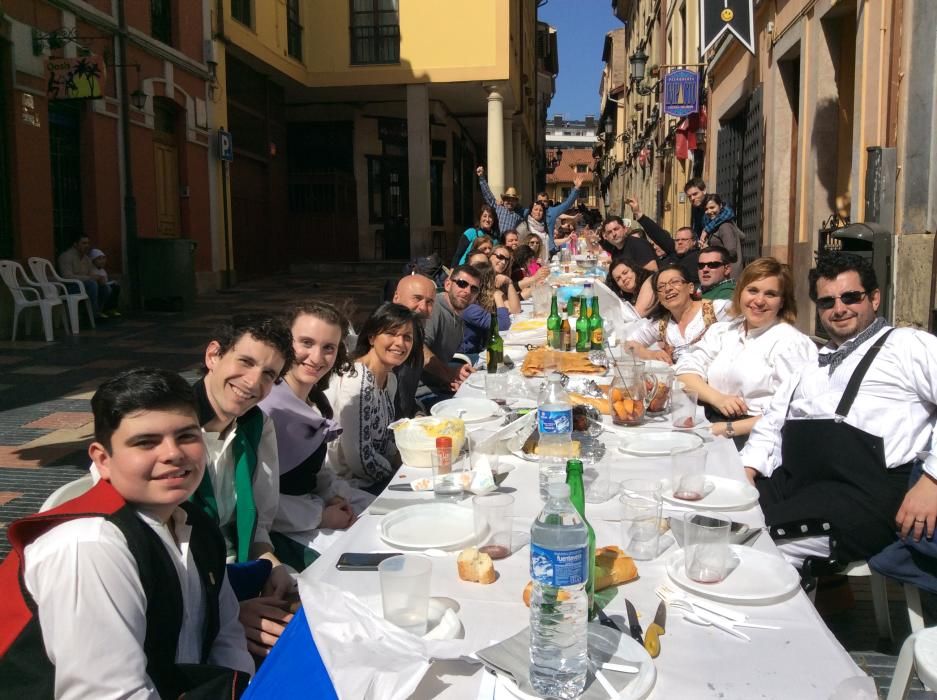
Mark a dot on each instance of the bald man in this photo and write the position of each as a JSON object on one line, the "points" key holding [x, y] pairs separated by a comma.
{"points": [[417, 293]]}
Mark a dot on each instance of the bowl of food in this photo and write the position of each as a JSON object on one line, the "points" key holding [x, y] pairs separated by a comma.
{"points": [[416, 438]]}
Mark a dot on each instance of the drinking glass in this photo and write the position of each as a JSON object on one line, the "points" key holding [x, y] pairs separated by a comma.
{"points": [[405, 582], [640, 518], [447, 472], [496, 386], [493, 513], [706, 546], [688, 473], [682, 406]]}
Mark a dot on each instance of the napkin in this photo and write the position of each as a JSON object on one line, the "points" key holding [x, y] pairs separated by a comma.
{"points": [[366, 656], [511, 658]]}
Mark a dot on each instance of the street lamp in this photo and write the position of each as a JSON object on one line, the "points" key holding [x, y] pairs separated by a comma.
{"points": [[138, 99], [638, 61]]}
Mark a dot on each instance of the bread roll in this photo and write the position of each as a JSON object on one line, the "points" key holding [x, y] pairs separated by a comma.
{"points": [[476, 566]]}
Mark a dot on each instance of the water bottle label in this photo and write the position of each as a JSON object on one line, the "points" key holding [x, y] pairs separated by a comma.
{"points": [[555, 422], [566, 567]]}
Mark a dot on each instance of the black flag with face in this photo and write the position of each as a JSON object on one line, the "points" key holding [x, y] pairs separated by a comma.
{"points": [[720, 16]]}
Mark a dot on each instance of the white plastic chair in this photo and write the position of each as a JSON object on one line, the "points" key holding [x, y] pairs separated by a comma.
{"points": [[918, 653], [67, 492], [53, 285], [26, 294], [880, 599]]}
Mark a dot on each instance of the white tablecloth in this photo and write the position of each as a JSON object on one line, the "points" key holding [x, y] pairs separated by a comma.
{"points": [[802, 660]]}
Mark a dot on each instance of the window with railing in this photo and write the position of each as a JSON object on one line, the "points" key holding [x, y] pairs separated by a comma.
{"points": [[375, 32], [241, 10], [294, 30], [161, 20]]}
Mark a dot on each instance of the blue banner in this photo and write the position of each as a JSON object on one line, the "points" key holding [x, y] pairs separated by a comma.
{"points": [[681, 93]]}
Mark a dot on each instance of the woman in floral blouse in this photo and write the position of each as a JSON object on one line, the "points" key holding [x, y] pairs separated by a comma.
{"points": [[363, 399]]}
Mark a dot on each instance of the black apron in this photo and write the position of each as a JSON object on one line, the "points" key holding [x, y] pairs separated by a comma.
{"points": [[833, 481]]}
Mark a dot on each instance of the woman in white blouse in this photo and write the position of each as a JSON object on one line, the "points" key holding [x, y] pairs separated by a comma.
{"points": [[679, 322], [737, 368], [363, 399]]}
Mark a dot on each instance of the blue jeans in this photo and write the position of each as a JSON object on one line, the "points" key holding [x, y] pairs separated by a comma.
{"points": [[98, 295]]}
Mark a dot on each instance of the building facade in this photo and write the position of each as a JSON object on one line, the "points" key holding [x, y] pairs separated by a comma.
{"points": [[66, 160], [358, 124], [575, 162]]}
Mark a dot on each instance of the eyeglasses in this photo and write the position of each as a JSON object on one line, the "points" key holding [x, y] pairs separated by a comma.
{"points": [[664, 286], [462, 284], [848, 298], [503, 258], [712, 265]]}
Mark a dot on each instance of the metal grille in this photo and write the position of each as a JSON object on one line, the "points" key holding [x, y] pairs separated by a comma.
{"points": [[65, 155], [740, 171], [6, 224]]}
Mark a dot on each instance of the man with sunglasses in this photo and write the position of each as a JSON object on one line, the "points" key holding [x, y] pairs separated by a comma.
{"points": [[832, 456], [715, 273], [444, 332]]}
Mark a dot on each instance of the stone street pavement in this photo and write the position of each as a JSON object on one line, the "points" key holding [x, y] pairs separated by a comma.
{"points": [[46, 423]]}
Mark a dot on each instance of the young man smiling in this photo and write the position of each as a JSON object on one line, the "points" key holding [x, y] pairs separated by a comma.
{"points": [[715, 273], [445, 330], [240, 489]]}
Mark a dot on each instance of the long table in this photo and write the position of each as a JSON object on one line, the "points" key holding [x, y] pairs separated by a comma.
{"points": [[801, 660]]}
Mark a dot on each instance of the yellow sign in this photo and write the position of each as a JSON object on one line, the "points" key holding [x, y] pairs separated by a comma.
{"points": [[79, 78], [727, 15]]}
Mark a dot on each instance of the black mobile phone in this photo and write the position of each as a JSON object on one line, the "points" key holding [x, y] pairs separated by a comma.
{"points": [[362, 561]]}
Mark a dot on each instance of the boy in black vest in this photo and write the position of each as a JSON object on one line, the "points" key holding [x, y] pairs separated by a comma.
{"points": [[122, 591], [241, 486]]}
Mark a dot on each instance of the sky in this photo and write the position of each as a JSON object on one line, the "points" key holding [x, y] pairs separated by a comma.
{"points": [[581, 26]]}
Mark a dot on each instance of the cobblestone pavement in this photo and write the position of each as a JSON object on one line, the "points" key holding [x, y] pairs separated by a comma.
{"points": [[46, 423]]}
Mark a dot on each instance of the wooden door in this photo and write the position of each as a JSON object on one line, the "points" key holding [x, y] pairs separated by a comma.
{"points": [[166, 159]]}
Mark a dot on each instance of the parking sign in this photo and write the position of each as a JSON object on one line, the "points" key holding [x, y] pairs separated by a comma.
{"points": [[225, 145]]}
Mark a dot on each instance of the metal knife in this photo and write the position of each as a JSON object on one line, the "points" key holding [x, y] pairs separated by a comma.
{"points": [[654, 630], [634, 627]]}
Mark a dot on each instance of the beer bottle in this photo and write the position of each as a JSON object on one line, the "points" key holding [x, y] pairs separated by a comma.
{"points": [[495, 346], [582, 328], [565, 334], [596, 331], [578, 497], [554, 333]]}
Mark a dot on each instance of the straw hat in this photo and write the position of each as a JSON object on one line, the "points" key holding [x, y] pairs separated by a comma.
{"points": [[510, 193]]}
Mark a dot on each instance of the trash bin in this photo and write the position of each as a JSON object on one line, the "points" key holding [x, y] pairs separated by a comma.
{"points": [[168, 273]]}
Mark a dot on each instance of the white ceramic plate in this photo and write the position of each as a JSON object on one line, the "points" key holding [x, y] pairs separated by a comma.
{"points": [[469, 410], [628, 652], [656, 443], [721, 494], [757, 577], [426, 525]]}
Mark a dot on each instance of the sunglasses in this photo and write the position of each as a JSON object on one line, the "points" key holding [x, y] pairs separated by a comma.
{"points": [[462, 284], [714, 265], [848, 298], [503, 258]]}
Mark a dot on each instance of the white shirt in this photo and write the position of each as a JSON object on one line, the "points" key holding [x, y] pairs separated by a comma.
{"points": [[92, 609], [366, 448], [897, 401], [750, 364], [646, 331], [266, 482]]}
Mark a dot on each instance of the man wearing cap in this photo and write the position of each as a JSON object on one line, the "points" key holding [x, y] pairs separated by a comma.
{"points": [[509, 215]]}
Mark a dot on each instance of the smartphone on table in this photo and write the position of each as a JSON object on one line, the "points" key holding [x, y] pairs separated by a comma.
{"points": [[362, 561]]}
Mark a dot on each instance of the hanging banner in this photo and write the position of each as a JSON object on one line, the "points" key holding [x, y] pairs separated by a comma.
{"points": [[720, 16], [79, 78], [681, 93]]}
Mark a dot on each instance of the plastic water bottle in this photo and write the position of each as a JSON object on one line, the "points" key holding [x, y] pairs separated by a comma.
{"points": [[559, 569], [555, 425]]}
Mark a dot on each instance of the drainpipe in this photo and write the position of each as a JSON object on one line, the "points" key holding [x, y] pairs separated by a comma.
{"points": [[132, 244]]}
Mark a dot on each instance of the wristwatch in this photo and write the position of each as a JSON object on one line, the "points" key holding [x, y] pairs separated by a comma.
{"points": [[730, 431]]}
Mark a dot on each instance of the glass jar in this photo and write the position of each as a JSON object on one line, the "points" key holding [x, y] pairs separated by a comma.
{"points": [[628, 393]]}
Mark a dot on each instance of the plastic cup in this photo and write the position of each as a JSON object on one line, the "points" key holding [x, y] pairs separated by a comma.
{"points": [[405, 582], [688, 472], [493, 520], [447, 472], [682, 407], [640, 518], [706, 546], [496, 387]]}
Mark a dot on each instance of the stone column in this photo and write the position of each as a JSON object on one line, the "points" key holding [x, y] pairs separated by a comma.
{"points": [[418, 153], [510, 178], [495, 167]]}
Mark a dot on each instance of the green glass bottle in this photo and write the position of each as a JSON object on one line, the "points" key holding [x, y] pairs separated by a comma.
{"points": [[596, 331], [577, 495], [582, 328], [495, 346], [554, 326]]}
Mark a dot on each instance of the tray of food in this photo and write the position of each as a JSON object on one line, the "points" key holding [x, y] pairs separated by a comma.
{"points": [[540, 358]]}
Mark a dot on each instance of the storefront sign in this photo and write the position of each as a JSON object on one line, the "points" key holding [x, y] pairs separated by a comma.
{"points": [[720, 16], [79, 78], [681, 93]]}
